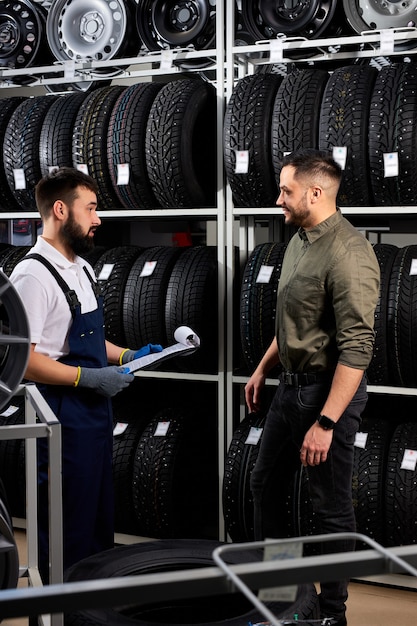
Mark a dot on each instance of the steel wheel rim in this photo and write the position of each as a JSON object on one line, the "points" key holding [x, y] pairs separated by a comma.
{"points": [[176, 23], [377, 14], [308, 18], [20, 28], [86, 34]]}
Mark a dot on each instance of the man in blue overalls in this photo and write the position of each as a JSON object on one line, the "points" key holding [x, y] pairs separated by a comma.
{"points": [[69, 361]]}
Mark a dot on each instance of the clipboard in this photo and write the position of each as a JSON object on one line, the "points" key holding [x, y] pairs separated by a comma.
{"points": [[187, 341]]}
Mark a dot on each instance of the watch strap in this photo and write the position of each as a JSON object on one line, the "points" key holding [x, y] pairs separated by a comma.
{"points": [[325, 422]]}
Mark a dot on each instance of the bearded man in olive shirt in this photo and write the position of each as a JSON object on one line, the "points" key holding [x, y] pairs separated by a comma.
{"points": [[327, 294]]}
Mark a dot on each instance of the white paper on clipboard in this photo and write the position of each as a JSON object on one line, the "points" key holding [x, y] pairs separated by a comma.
{"points": [[187, 342]]}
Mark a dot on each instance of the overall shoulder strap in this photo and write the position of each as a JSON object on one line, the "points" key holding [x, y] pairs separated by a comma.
{"points": [[70, 294], [94, 284]]}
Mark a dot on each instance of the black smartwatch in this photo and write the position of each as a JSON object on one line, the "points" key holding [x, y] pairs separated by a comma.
{"points": [[325, 422]]}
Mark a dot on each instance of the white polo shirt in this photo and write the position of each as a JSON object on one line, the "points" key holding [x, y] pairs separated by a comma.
{"points": [[47, 309]]}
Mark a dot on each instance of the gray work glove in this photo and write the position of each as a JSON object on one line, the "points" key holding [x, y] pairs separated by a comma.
{"points": [[106, 381]]}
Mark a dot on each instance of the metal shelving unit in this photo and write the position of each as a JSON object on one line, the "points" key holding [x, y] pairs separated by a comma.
{"points": [[146, 66], [229, 62], [242, 223]]}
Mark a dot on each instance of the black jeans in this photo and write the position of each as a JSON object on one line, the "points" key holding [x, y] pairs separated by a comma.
{"points": [[292, 412]]}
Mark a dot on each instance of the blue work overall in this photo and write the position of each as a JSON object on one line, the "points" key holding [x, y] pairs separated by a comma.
{"points": [[87, 443]]}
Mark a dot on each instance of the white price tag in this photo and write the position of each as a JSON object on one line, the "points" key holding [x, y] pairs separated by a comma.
{"points": [[53, 168], [264, 274], [409, 460], [106, 270], [148, 268], [387, 41], [242, 162], [19, 178], [119, 429], [391, 167], [254, 436], [161, 429], [413, 267], [123, 174], [360, 440], [339, 154], [11, 410], [82, 167], [279, 552]]}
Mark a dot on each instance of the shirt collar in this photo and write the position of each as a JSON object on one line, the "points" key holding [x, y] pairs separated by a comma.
{"points": [[43, 247], [321, 229]]}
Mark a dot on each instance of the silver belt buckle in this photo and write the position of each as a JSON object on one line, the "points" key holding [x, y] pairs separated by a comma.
{"points": [[288, 378]]}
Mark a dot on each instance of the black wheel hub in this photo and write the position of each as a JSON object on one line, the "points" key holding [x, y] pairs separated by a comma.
{"points": [[184, 16], [9, 37], [291, 12], [308, 18], [176, 23]]}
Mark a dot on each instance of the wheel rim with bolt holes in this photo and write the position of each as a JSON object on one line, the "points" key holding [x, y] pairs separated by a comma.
{"points": [[377, 14], [98, 31], [308, 18], [176, 23], [20, 33]]}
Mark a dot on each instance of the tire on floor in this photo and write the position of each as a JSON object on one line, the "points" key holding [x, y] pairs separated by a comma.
{"points": [[166, 556]]}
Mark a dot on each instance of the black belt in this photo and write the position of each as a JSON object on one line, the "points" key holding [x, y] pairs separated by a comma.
{"points": [[300, 379]]}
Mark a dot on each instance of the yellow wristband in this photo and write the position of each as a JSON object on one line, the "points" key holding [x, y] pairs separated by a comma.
{"points": [[77, 380], [121, 355]]}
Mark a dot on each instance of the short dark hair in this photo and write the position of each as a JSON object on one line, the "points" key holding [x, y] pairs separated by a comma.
{"points": [[311, 163], [61, 184]]}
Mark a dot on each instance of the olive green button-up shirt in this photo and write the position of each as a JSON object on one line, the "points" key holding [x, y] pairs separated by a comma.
{"points": [[327, 294]]}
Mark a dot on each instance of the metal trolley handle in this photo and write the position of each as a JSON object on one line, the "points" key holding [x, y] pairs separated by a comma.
{"points": [[219, 551]]}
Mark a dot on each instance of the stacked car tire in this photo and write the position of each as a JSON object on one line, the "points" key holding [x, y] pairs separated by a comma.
{"points": [[148, 146], [149, 292], [385, 468], [383, 482], [165, 481], [393, 360], [366, 118]]}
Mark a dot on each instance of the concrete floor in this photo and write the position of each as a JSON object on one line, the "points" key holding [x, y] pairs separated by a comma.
{"points": [[368, 604]]}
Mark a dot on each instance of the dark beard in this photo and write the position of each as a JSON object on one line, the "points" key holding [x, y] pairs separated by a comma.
{"points": [[72, 235]]}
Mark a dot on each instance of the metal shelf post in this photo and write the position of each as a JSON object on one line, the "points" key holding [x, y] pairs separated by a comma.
{"points": [[47, 425]]}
